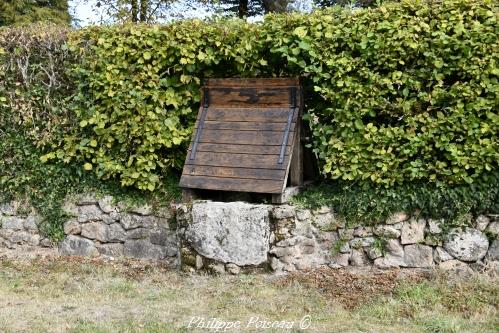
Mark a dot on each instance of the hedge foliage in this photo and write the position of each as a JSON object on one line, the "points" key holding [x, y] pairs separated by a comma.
{"points": [[411, 92], [401, 93], [35, 91]]}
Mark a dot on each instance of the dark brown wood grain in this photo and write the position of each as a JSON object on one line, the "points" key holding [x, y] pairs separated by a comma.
{"points": [[244, 126], [264, 138], [267, 115], [242, 135], [233, 172], [248, 96], [240, 149], [232, 184], [238, 160]]}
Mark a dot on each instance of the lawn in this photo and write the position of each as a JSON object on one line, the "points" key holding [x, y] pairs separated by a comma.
{"points": [[82, 295]]}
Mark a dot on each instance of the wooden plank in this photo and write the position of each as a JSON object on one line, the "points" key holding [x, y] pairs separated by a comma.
{"points": [[239, 146], [249, 96], [238, 82], [244, 126], [238, 160], [232, 172], [240, 149], [232, 184], [263, 115], [244, 137]]}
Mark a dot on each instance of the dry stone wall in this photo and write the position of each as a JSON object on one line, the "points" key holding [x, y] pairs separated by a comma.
{"points": [[236, 236], [98, 227], [102, 227], [19, 228], [302, 239]]}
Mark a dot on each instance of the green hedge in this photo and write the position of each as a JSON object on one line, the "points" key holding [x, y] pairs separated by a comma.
{"points": [[401, 93], [402, 102]]}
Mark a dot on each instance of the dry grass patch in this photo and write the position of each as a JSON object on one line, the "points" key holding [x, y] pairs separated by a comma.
{"points": [[85, 295]]}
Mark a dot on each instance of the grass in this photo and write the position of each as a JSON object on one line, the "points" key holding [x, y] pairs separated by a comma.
{"points": [[83, 295]]}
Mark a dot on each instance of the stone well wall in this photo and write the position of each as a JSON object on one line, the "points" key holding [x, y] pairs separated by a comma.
{"points": [[234, 236], [237, 236]]}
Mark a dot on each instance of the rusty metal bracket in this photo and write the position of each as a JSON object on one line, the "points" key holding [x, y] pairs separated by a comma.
{"points": [[292, 102], [206, 103]]}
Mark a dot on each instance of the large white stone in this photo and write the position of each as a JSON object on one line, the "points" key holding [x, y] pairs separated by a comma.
{"points": [[466, 245], [234, 232]]}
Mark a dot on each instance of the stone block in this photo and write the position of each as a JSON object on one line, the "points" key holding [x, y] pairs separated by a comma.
{"points": [[111, 249], [12, 222], [106, 204], [143, 249], [89, 213], [493, 252], [440, 255], [103, 232], [397, 218], [482, 222], [435, 226], [413, 231], [283, 212], [78, 246], [386, 231], [363, 231], [132, 221], [418, 255], [72, 227], [359, 258], [233, 269], [143, 210]]}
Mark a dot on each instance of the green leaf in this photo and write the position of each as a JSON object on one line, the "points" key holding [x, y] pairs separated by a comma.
{"points": [[359, 124]]}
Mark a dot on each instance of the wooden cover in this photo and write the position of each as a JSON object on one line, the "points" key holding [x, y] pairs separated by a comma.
{"points": [[244, 135]]}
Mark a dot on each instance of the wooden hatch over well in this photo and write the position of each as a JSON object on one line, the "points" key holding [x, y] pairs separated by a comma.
{"points": [[245, 136]]}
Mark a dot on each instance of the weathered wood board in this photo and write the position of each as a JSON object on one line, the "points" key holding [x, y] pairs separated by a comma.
{"points": [[245, 136]]}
